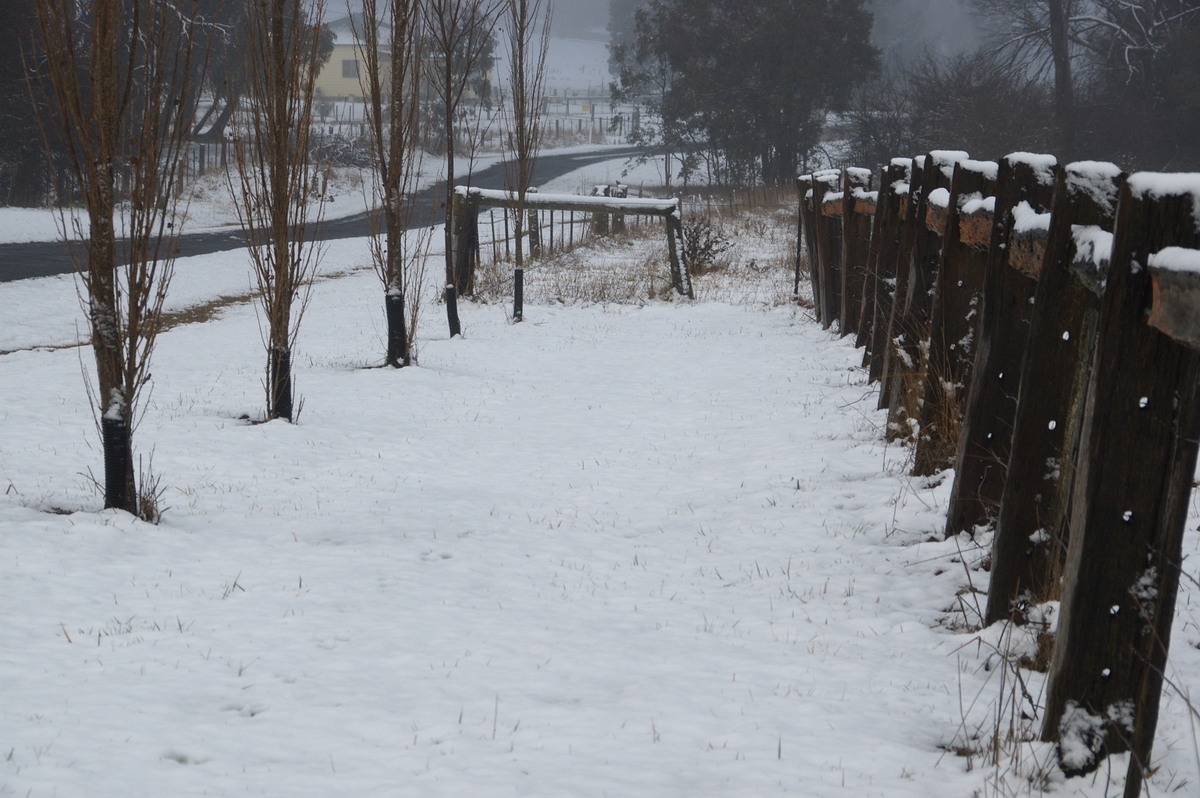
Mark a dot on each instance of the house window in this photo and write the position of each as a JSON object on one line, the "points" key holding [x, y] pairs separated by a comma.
{"points": [[350, 69]]}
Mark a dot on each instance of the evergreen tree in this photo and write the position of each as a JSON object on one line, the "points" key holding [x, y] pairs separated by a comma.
{"points": [[752, 80]]}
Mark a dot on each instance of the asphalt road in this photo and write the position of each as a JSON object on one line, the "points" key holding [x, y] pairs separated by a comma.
{"points": [[24, 261]]}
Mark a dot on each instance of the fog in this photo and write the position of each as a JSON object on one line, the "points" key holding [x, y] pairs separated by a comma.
{"points": [[904, 29]]}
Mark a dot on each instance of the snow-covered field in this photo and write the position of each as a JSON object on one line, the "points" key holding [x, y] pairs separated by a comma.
{"points": [[652, 549]]}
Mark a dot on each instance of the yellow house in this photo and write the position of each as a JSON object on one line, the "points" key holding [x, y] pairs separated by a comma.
{"points": [[339, 77]]}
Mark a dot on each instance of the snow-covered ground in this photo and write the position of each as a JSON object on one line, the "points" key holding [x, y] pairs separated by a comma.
{"points": [[652, 548]]}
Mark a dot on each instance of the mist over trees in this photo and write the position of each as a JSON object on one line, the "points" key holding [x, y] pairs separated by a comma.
{"points": [[1093, 79], [749, 90]]}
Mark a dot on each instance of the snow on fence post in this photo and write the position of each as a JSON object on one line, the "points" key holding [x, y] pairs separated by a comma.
{"points": [[910, 333], [856, 243], [1007, 306], [1031, 529], [827, 244], [1134, 483], [954, 309], [600, 221], [886, 239]]}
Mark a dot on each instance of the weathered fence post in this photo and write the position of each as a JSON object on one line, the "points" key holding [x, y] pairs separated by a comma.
{"points": [[910, 332], [886, 236], [907, 234], [451, 297], [805, 242], [619, 191], [600, 224], [1136, 466], [856, 241], [954, 310], [466, 242], [677, 253], [827, 244], [1031, 529], [1007, 307], [535, 233]]}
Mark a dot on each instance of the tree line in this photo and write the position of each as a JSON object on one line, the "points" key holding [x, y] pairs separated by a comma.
{"points": [[748, 91]]}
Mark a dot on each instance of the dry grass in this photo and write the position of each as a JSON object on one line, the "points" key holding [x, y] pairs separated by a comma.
{"points": [[631, 268]]}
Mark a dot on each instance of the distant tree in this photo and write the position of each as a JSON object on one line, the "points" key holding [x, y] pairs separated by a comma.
{"points": [[755, 78], [622, 29], [645, 76], [527, 29], [460, 44], [391, 88], [1104, 59], [272, 187], [223, 30], [110, 84], [24, 177], [964, 102]]}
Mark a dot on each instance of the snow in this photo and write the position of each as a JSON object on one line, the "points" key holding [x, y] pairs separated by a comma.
{"points": [[978, 204], [1176, 259], [989, 169], [645, 548], [1093, 244], [1042, 165], [946, 159], [1095, 179], [1026, 220], [939, 198], [859, 176]]}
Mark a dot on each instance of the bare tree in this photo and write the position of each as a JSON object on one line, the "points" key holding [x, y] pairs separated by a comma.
{"points": [[1073, 42], [113, 75], [459, 33], [528, 39], [273, 193], [391, 88]]}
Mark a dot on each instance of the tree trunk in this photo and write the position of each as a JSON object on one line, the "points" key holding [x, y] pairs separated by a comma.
{"points": [[397, 328], [1064, 91], [279, 381]]}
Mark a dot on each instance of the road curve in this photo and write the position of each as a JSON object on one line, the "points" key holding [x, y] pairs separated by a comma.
{"points": [[42, 259]]}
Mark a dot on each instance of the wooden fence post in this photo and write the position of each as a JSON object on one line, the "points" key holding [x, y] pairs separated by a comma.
{"points": [[953, 311], [805, 241], [911, 328], [907, 240], [1031, 529], [681, 279], [886, 238], [466, 242], [856, 241], [535, 233], [1136, 467], [827, 244], [1007, 307]]}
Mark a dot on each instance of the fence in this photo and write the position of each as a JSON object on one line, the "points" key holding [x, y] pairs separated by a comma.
{"points": [[1036, 328], [606, 210]]}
